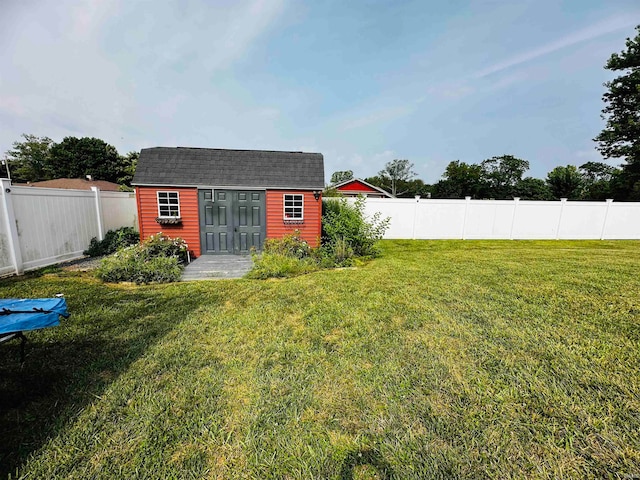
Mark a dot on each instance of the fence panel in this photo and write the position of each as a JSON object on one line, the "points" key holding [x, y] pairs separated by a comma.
{"points": [[119, 210], [623, 222], [53, 224], [507, 219], [536, 220], [401, 213], [6, 265], [582, 220], [431, 219], [491, 220]]}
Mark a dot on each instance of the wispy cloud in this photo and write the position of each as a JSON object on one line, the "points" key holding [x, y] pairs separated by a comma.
{"points": [[269, 113], [383, 115], [483, 81], [599, 29], [249, 23], [449, 90], [197, 36], [88, 16]]}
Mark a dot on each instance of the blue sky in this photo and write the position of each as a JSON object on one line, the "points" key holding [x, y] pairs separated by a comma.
{"points": [[362, 82]]}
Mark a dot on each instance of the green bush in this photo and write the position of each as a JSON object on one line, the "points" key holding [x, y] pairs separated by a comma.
{"points": [[346, 235], [113, 240], [341, 252], [160, 245], [347, 232], [130, 264], [159, 259], [277, 265], [291, 245]]}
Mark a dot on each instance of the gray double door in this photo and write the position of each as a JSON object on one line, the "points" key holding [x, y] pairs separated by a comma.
{"points": [[231, 221]]}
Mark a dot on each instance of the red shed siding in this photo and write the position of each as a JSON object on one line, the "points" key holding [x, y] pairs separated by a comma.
{"points": [[189, 230], [357, 186], [276, 226]]}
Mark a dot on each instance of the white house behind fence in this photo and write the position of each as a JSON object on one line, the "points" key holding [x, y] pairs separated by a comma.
{"points": [[43, 226]]}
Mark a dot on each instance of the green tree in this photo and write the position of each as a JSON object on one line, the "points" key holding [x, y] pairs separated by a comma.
{"points": [[341, 176], [625, 184], [378, 181], [415, 187], [407, 189], [77, 157], [502, 174], [460, 180], [530, 188], [621, 135], [595, 171], [29, 160], [597, 178], [128, 164], [394, 172], [565, 182]]}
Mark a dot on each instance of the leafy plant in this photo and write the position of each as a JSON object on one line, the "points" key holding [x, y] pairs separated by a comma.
{"points": [[131, 264], [342, 253], [347, 234], [277, 265], [288, 256], [159, 259], [345, 224], [160, 245], [113, 240], [292, 245]]}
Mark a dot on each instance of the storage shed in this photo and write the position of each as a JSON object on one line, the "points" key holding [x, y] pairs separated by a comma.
{"points": [[228, 201]]}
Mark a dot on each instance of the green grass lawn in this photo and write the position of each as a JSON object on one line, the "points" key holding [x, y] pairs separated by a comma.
{"points": [[443, 359]]}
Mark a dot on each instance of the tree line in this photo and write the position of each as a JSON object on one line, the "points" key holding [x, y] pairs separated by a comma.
{"points": [[502, 177], [35, 159]]}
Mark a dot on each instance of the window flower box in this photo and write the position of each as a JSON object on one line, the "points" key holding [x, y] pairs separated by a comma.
{"points": [[169, 220]]}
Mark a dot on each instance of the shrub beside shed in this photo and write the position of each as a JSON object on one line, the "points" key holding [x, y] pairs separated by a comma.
{"points": [[228, 201]]}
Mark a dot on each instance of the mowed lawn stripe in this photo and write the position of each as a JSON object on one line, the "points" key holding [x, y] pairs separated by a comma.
{"points": [[440, 359]]}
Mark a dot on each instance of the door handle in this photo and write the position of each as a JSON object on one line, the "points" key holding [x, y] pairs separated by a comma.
{"points": [[235, 229]]}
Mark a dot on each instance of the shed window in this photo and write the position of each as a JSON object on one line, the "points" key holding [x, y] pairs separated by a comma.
{"points": [[168, 204], [293, 207]]}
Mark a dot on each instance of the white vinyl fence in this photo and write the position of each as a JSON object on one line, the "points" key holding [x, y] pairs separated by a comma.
{"points": [[507, 219], [43, 226]]}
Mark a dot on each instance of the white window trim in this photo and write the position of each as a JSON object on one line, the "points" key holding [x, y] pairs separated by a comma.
{"points": [[158, 192], [284, 207]]}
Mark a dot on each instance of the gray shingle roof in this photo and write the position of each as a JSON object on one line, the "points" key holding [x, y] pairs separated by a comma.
{"points": [[229, 168]]}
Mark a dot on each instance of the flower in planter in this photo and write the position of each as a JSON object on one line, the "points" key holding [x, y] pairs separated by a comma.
{"points": [[169, 220]]}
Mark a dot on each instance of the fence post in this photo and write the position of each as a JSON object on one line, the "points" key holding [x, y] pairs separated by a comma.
{"points": [[12, 228], [464, 222], [606, 215], [96, 196], [563, 201], [516, 202], [415, 216]]}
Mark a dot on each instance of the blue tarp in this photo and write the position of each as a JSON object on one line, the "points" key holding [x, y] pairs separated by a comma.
{"points": [[31, 314]]}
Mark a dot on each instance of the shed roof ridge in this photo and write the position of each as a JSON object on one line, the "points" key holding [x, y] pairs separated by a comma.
{"points": [[234, 150]]}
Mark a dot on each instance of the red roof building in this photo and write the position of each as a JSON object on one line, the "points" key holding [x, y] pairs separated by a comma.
{"points": [[355, 186]]}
